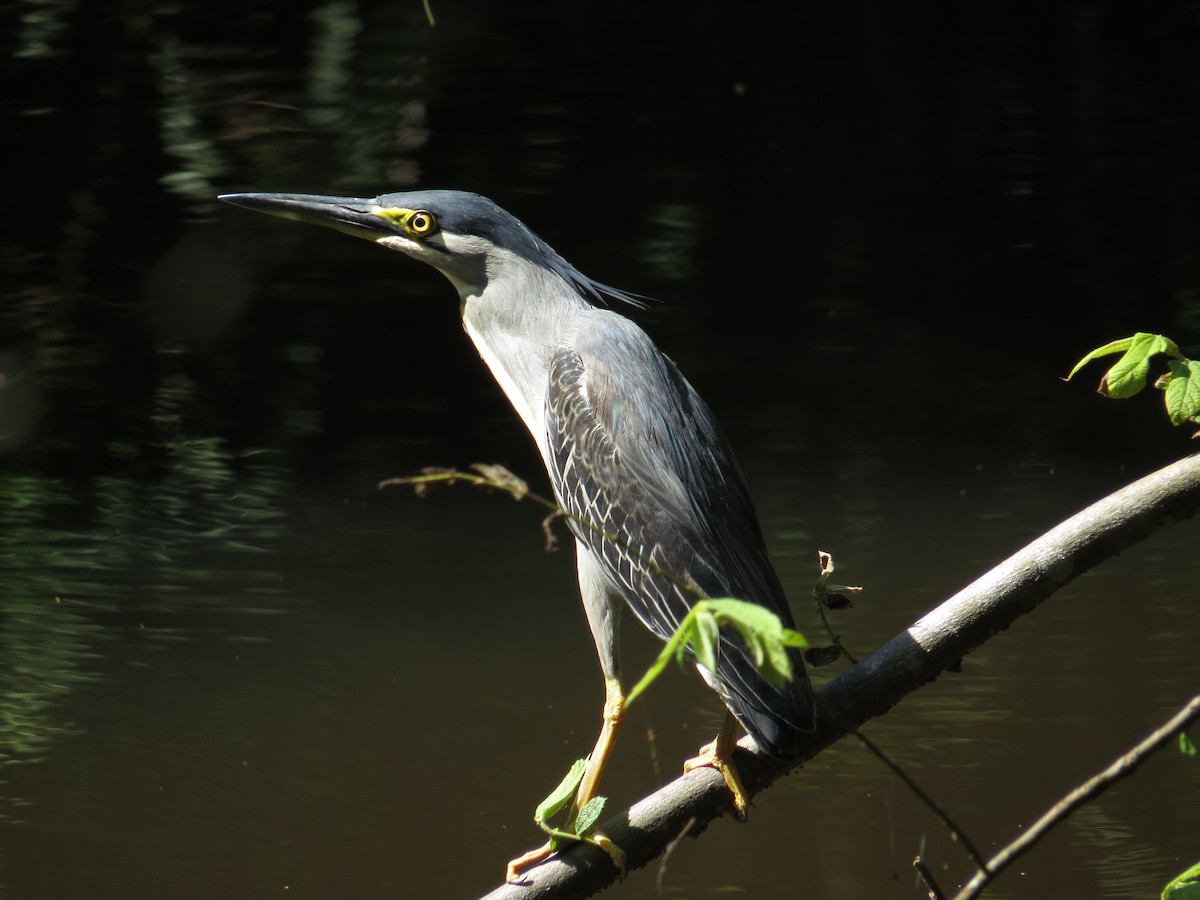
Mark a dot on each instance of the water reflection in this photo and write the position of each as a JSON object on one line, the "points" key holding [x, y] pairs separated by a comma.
{"points": [[91, 571], [45, 643]]}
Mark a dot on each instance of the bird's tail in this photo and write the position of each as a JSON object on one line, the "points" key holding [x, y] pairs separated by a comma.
{"points": [[777, 717]]}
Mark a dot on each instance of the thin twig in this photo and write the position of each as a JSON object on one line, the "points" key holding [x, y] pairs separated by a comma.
{"points": [[666, 854], [824, 593], [956, 833], [931, 885], [833, 635], [548, 530], [1090, 789], [499, 478]]}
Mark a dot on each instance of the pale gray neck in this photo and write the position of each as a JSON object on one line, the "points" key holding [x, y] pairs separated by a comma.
{"points": [[517, 320]]}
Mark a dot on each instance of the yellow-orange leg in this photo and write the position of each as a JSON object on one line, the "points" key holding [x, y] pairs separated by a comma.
{"points": [[610, 727], [719, 755], [614, 717]]}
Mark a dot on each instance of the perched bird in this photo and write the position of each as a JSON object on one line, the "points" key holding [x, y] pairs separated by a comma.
{"points": [[633, 454]]}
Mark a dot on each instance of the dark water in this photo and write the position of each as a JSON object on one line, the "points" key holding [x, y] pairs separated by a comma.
{"points": [[230, 666]]}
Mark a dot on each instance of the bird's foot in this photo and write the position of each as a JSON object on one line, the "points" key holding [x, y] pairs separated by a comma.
{"points": [[527, 861], [615, 853], [514, 874], [719, 755]]}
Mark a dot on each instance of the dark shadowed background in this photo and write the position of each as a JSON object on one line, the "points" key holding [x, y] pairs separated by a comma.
{"points": [[878, 234]]}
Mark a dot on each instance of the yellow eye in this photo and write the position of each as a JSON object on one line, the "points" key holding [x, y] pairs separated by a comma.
{"points": [[422, 223]]}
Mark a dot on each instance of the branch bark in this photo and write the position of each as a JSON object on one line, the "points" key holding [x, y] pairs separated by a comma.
{"points": [[935, 642]]}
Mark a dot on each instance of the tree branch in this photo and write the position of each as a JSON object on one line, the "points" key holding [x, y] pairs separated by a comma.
{"points": [[935, 642]]}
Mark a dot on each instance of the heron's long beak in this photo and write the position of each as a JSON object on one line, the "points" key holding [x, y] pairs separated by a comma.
{"points": [[353, 215]]}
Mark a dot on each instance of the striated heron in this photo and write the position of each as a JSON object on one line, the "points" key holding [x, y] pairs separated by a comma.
{"points": [[628, 444]]}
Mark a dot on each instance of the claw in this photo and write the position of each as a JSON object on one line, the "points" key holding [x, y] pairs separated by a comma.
{"points": [[515, 872], [615, 853], [719, 755], [512, 874]]}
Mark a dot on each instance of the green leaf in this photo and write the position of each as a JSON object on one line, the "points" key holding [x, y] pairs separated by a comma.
{"points": [[561, 795], [776, 666], [1184, 887], [558, 800], [1128, 376], [1188, 891], [791, 638], [589, 815], [654, 671], [1186, 747], [761, 630], [705, 637], [1112, 347], [1182, 390]]}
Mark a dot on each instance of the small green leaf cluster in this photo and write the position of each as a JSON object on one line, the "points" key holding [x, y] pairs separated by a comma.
{"points": [[562, 795], [1180, 383], [699, 633]]}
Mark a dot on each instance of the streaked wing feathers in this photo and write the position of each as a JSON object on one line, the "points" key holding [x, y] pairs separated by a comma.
{"points": [[636, 454]]}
